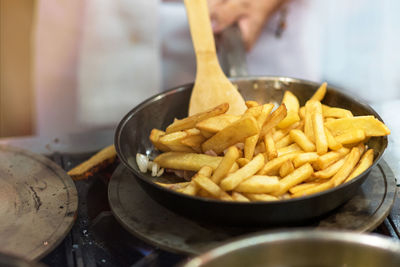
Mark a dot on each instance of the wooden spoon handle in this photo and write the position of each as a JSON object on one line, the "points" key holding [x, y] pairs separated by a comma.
{"points": [[200, 26]]}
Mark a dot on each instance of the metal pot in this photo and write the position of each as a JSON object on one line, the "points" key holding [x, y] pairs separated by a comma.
{"points": [[304, 248]]}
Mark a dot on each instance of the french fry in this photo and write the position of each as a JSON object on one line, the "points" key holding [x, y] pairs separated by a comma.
{"points": [[327, 119], [279, 134], [261, 197], [304, 158], [331, 170], [292, 105], [303, 186], [192, 132], [213, 189], [302, 140], [328, 111], [194, 142], [259, 184], [317, 119], [308, 126], [251, 142], [320, 93], [155, 136], [333, 144], [285, 141], [260, 148], [242, 162], [272, 166], [204, 193], [239, 197], [174, 186], [329, 158], [298, 176], [253, 111], [302, 112], [273, 119], [286, 168], [173, 141], [97, 162], [217, 123], [289, 149], [250, 145], [206, 134], [365, 162], [234, 179], [370, 125], [191, 121], [313, 190], [265, 111], [234, 168], [251, 103], [193, 188], [232, 134], [347, 167], [351, 137], [186, 161], [270, 146], [226, 164]]}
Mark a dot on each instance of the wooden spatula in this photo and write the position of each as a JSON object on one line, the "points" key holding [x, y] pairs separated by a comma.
{"points": [[211, 86]]}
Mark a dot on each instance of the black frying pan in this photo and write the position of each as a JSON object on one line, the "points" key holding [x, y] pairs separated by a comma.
{"points": [[132, 136]]}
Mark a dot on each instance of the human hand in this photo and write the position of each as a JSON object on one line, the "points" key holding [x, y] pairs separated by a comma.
{"points": [[250, 15]]}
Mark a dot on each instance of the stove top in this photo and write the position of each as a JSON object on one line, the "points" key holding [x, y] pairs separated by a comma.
{"points": [[96, 238]]}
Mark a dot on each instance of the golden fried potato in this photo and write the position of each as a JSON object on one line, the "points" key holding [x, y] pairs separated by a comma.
{"points": [[292, 105], [259, 184], [186, 161], [232, 134], [190, 122], [234, 179], [370, 125]]}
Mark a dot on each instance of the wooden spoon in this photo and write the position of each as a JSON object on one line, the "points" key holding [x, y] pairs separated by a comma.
{"points": [[211, 86]]}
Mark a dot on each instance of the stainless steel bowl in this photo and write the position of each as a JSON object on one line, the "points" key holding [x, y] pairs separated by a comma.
{"points": [[304, 248]]}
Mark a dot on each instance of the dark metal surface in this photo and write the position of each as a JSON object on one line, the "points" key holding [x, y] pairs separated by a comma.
{"points": [[97, 239], [231, 51], [301, 248], [12, 261], [38, 203], [76, 143], [145, 218], [132, 136]]}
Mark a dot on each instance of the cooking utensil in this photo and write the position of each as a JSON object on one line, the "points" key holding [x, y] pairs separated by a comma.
{"points": [[156, 225], [132, 136], [38, 203], [301, 248], [211, 87]]}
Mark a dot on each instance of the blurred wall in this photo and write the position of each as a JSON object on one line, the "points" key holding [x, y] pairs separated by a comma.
{"points": [[16, 108]]}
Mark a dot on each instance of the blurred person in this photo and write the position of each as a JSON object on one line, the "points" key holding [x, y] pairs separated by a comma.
{"points": [[97, 59]]}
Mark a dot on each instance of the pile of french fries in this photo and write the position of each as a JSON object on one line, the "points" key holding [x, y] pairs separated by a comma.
{"points": [[267, 154]]}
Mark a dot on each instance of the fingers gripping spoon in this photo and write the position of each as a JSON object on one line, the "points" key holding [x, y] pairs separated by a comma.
{"points": [[211, 86]]}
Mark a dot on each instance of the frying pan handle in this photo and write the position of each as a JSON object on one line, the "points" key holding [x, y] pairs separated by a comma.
{"points": [[232, 53]]}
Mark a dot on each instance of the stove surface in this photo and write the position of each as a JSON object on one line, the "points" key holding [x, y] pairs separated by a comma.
{"points": [[96, 238]]}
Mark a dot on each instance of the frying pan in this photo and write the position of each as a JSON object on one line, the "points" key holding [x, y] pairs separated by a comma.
{"points": [[132, 136]]}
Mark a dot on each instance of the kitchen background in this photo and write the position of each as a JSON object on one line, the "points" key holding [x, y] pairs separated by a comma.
{"points": [[68, 66]]}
